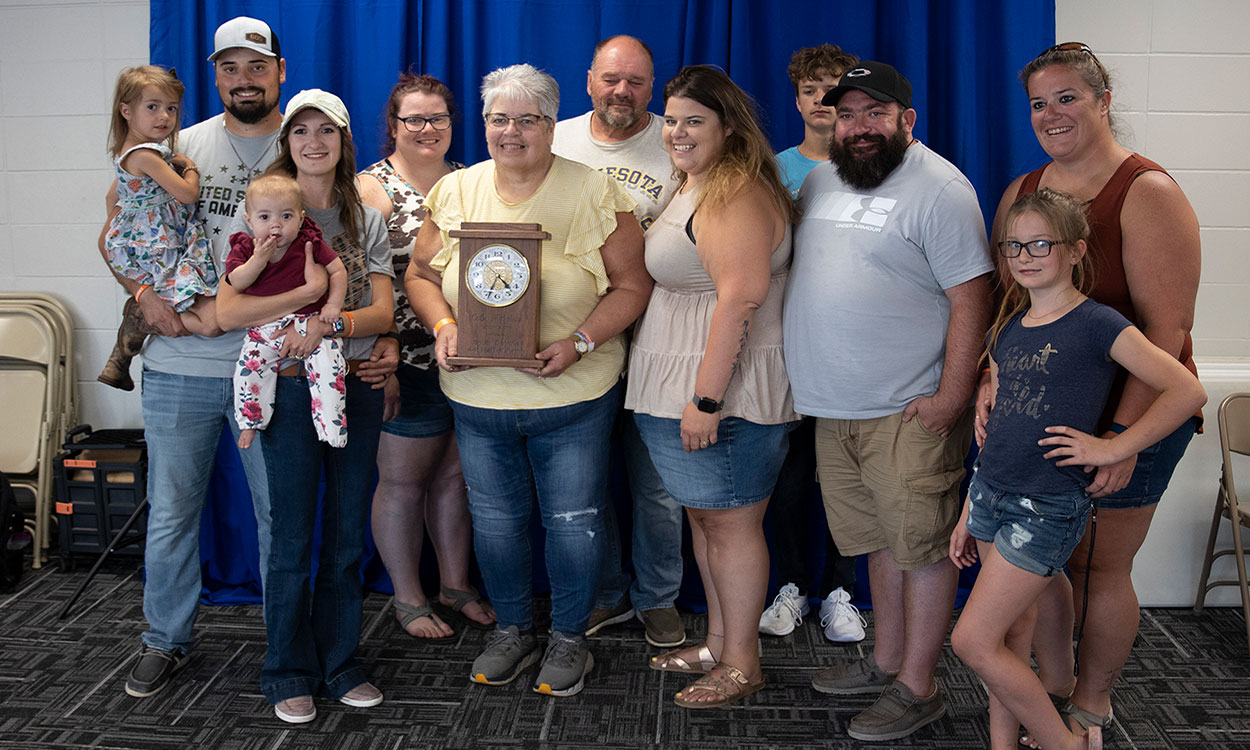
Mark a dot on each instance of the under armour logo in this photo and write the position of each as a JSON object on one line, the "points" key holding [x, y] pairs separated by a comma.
{"points": [[867, 209]]}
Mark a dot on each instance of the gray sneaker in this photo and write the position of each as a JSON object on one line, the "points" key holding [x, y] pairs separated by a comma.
{"points": [[853, 678], [664, 627], [601, 617], [565, 666], [896, 714], [507, 654]]}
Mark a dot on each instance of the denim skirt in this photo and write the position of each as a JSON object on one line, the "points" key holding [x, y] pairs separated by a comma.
{"points": [[739, 469]]}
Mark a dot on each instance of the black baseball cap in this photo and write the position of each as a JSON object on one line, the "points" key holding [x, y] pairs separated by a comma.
{"points": [[876, 79]]}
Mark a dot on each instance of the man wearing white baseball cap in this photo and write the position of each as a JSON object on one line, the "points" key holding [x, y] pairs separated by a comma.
{"points": [[187, 387]]}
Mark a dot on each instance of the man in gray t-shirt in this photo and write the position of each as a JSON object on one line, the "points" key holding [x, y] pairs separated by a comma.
{"points": [[620, 138], [886, 309], [187, 388]]}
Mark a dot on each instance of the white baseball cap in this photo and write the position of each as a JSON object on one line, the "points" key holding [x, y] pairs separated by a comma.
{"points": [[328, 103], [248, 33]]}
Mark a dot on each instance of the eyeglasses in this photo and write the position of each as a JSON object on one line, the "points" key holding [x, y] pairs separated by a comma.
{"points": [[497, 121], [1080, 47], [1036, 248], [416, 124]]}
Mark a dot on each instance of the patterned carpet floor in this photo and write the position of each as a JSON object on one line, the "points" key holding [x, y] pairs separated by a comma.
{"points": [[1186, 686]]}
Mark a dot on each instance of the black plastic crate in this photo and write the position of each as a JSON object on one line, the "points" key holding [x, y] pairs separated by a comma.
{"points": [[101, 478]]}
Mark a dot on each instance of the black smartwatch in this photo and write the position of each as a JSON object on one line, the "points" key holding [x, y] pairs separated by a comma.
{"points": [[337, 326], [707, 405]]}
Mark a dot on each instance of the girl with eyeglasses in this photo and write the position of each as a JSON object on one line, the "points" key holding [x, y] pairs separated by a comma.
{"points": [[1146, 251], [1053, 355], [420, 485]]}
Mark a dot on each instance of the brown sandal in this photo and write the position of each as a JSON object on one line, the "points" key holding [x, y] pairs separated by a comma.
{"points": [[728, 683], [673, 661]]}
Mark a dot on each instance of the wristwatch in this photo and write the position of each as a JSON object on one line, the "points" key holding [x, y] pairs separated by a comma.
{"points": [[707, 405], [582, 343], [338, 326]]}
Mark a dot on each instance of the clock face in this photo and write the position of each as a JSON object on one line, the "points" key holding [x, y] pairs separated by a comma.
{"points": [[497, 275]]}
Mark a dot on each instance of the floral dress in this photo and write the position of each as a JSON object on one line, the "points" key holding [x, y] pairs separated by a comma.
{"points": [[156, 240]]}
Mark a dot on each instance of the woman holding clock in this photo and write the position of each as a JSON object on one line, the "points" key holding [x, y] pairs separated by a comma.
{"points": [[540, 432], [707, 380]]}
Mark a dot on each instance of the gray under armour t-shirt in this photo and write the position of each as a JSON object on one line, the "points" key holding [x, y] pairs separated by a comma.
{"points": [[639, 163], [865, 314], [227, 164]]}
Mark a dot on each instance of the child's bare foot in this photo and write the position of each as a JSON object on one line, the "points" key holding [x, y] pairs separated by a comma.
{"points": [[245, 439]]}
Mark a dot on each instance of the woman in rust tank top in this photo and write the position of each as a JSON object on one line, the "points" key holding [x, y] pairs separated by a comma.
{"points": [[1144, 241]]}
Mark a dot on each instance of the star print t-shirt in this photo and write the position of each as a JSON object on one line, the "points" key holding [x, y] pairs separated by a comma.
{"points": [[227, 164], [1054, 374]]}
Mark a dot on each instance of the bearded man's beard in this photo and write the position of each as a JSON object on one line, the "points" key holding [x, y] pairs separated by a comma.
{"points": [[867, 172]]}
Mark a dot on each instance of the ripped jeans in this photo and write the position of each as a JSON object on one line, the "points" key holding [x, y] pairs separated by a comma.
{"points": [[1033, 532], [559, 456]]}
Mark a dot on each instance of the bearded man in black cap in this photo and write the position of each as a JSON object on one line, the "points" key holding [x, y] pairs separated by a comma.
{"points": [[885, 314]]}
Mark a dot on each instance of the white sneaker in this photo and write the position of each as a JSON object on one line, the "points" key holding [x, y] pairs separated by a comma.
{"points": [[840, 619], [787, 610]]}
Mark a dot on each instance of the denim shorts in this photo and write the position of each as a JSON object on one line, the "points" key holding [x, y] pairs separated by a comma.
{"points": [[739, 469], [423, 409], [1154, 469], [1036, 533]]}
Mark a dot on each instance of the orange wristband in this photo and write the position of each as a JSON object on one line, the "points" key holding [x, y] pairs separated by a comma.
{"points": [[439, 325], [142, 289], [351, 324]]}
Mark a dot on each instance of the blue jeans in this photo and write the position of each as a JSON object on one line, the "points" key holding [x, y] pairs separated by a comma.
{"points": [[182, 417], [656, 544], [313, 634], [1154, 468], [559, 456]]}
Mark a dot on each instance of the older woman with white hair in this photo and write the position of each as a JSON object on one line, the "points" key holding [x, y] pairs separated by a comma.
{"points": [[538, 433]]}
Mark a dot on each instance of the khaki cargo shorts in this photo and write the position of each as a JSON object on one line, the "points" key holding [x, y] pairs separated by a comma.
{"points": [[889, 484]]}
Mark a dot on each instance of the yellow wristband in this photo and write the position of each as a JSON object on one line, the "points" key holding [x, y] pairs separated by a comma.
{"points": [[142, 289], [439, 325]]}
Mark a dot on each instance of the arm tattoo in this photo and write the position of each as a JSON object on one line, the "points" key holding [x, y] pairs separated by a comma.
{"points": [[742, 344]]}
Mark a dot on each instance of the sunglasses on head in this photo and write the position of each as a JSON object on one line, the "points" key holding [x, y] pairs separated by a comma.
{"points": [[1070, 47], [1079, 47]]}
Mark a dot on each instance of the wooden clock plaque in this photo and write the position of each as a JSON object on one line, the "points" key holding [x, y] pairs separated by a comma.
{"points": [[497, 312]]}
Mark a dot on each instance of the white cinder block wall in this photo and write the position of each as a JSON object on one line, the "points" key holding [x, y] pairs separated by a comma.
{"points": [[1183, 92], [58, 64], [1183, 70]]}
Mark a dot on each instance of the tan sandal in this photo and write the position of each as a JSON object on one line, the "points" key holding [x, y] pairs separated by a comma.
{"points": [[729, 684], [673, 661], [1092, 723]]}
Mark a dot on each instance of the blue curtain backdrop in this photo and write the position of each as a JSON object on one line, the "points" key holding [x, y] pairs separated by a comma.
{"points": [[961, 56]]}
